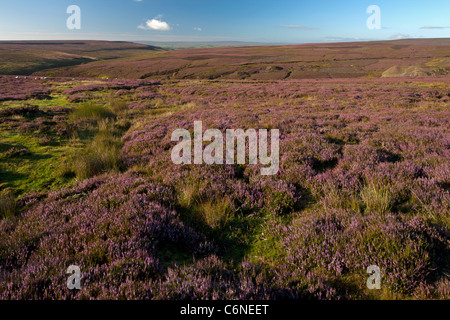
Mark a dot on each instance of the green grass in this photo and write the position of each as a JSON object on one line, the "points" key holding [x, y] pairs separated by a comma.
{"points": [[37, 170], [101, 155], [27, 164], [30, 162], [91, 111], [55, 100]]}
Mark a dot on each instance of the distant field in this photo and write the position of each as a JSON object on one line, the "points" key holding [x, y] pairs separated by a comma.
{"points": [[318, 61], [26, 57], [198, 44]]}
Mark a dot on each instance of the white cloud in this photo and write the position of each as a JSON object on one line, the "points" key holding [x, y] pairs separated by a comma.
{"points": [[198, 29], [155, 24]]}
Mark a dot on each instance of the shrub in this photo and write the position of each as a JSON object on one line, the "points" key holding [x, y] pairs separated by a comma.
{"points": [[281, 197]]}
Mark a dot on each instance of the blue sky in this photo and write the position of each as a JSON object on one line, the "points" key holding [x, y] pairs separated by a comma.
{"points": [[272, 21]]}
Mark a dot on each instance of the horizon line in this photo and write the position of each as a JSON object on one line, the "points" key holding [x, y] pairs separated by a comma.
{"points": [[220, 41]]}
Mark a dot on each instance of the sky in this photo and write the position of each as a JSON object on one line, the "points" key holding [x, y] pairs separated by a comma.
{"points": [[263, 21]]}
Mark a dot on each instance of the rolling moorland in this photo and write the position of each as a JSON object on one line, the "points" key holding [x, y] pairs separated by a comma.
{"points": [[26, 57], [86, 176], [308, 61]]}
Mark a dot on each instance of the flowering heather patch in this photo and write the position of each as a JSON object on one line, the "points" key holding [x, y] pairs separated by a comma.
{"points": [[408, 250], [121, 87], [112, 227], [149, 95], [364, 180], [338, 154], [31, 119], [112, 84], [21, 89], [212, 279], [26, 111], [138, 106], [327, 138]]}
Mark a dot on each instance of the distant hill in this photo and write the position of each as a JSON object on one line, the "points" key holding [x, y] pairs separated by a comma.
{"points": [[325, 60], [27, 57], [177, 45]]}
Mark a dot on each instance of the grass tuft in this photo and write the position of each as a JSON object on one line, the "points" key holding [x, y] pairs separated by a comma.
{"points": [[216, 213], [101, 155], [8, 205], [91, 111], [376, 198]]}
